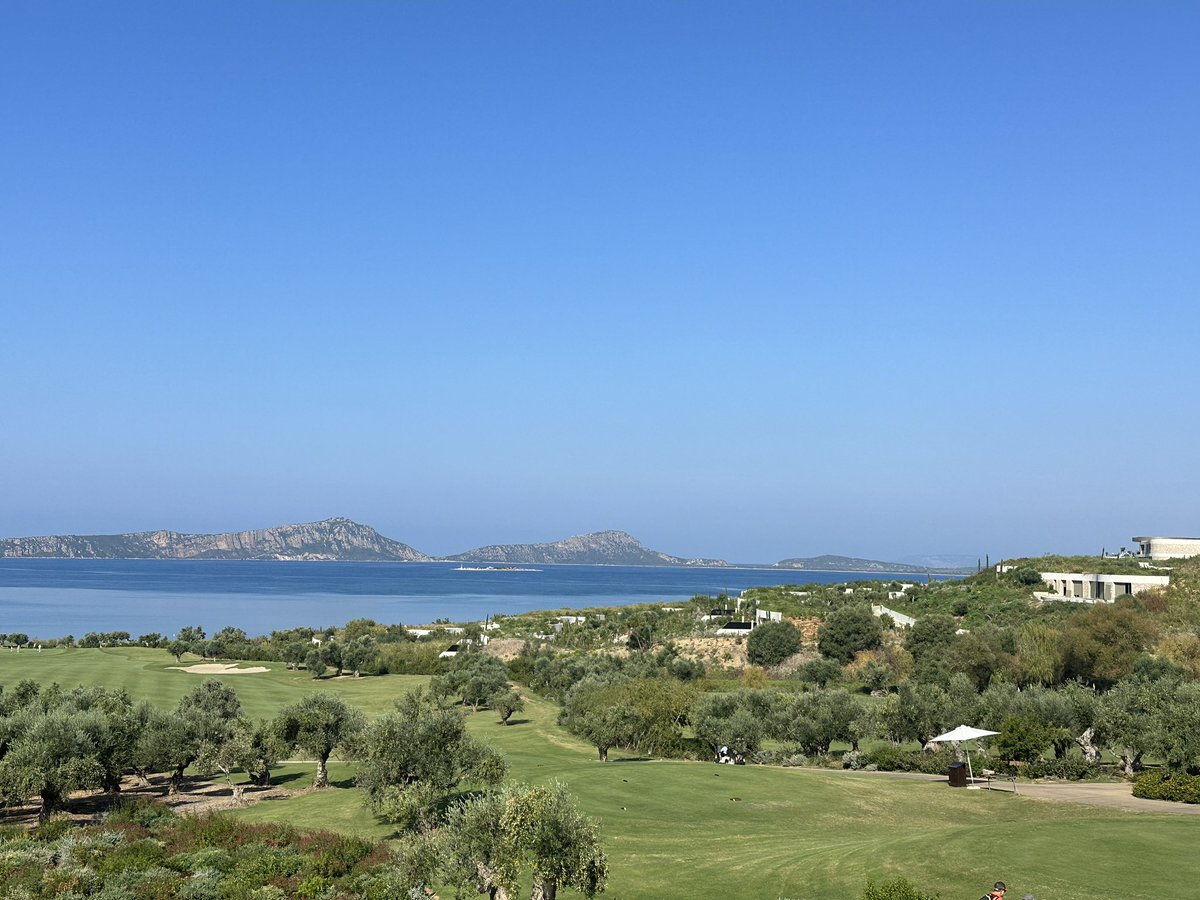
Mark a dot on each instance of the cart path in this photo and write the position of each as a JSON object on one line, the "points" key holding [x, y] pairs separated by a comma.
{"points": [[1112, 795]]}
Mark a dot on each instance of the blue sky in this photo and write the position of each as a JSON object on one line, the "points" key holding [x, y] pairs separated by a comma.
{"points": [[747, 280]]}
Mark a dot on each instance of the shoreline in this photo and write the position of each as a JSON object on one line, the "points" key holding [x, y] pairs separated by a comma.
{"points": [[736, 567]]}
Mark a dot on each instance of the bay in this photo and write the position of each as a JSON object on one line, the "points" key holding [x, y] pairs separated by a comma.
{"points": [[49, 598]]}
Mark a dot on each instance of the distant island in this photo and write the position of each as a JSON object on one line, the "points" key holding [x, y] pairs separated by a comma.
{"points": [[336, 539], [602, 548], [331, 539], [347, 540], [832, 563]]}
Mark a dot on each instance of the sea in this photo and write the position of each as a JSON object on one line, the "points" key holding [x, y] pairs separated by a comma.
{"points": [[50, 598]]}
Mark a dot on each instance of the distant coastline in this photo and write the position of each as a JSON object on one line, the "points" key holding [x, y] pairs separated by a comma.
{"points": [[344, 540]]}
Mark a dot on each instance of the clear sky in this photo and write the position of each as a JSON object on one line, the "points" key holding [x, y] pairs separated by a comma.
{"points": [[748, 280]]}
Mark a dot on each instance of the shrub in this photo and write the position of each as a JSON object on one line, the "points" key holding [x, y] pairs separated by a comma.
{"points": [[1159, 785], [847, 630], [821, 672], [340, 856], [139, 856], [898, 889], [772, 642], [52, 830], [144, 812], [1023, 738], [1026, 575]]}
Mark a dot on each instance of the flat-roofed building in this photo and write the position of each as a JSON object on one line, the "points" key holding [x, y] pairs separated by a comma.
{"points": [[1168, 547], [1086, 587]]}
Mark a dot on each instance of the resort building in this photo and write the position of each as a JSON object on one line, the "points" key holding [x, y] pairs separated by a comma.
{"points": [[735, 629], [1083, 587], [1168, 547], [899, 618]]}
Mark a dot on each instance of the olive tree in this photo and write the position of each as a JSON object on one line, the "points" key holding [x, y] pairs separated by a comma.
{"points": [[294, 654], [560, 844], [360, 654], [736, 719], [177, 649], [477, 676], [52, 756], [505, 703], [319, 724], [314, 661], [410, 759], [205, 717], [490, 841], [1127, 720], [815, 720]]}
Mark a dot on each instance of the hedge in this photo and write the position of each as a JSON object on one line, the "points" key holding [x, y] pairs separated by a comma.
{"points": [[1157, 785]]}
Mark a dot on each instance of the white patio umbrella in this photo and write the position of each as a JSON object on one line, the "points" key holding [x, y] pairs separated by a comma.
{"points": [[964, 733]]}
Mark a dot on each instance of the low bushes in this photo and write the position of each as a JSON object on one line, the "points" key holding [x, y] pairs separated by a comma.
{"points": [[893, 759], [1071, 767], [149, 853], [1159, 785], [777, 758]]}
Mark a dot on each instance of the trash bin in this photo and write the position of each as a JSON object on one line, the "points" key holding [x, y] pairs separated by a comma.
{"points": [[958, 774]]}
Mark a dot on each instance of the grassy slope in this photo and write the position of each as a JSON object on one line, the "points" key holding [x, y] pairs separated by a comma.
{"points": [[147, 674], [673, 829]]}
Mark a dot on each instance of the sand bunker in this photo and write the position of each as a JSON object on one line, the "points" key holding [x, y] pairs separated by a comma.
{"points": [[220, 669]]}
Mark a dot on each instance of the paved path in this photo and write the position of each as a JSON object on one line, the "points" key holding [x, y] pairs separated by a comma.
{"points": [[1114, 796]]}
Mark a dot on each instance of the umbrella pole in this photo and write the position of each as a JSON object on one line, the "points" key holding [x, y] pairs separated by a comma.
{"points": [[970, 773]]}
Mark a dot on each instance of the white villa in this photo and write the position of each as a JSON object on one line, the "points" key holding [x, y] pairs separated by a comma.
{"points": [[1167, 547], [1085, 587]]}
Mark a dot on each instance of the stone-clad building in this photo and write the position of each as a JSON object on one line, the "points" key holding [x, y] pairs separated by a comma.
{"points": [[1168, 547], [1088, 587]]}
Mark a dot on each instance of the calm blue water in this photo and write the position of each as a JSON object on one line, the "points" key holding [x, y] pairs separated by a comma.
{"points": [[54, 597]]}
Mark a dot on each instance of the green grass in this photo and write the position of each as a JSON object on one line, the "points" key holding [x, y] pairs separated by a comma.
{"points": [[679, 829], [148, 674]]}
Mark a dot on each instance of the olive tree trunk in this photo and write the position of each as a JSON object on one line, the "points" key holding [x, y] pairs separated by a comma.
{"points": [[50, 802], [1090, 753]]}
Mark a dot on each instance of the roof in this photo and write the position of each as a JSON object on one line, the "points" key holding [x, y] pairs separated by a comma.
{"points": [[1161, 538]]}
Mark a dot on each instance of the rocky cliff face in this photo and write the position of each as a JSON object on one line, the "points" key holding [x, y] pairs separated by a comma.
{"points": [[330, 539], [612, 548]]}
